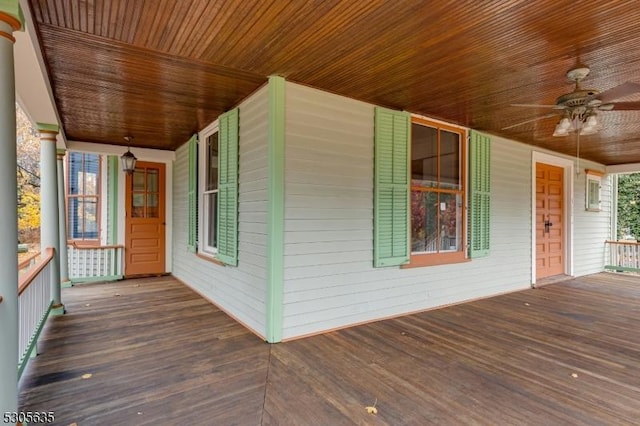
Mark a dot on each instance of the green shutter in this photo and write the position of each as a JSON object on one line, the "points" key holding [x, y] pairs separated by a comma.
{"points": [[228, 188], [480, 195], [112, 199], [192, 239], [391, 202]]}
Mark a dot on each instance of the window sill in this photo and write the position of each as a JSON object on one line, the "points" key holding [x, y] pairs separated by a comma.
{"points": [[210, 258], [420, 260]]}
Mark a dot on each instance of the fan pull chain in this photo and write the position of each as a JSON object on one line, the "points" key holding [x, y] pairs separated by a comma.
{"points": [[578, 153]]}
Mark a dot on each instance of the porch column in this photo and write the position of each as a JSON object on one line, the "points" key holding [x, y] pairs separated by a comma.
{"points": [[62, 221], [49, 217], [10, 21]]}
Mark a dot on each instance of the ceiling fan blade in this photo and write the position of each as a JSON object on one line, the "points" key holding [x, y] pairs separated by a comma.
{"points": [[538, 106], [625, 89], [626, 106], [530, 121]]}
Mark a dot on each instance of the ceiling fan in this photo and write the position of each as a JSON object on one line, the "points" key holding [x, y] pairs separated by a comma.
{"points": [[579, 108]]}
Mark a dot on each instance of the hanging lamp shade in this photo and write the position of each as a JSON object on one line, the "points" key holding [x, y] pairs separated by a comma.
{"points": [[128, 160]]}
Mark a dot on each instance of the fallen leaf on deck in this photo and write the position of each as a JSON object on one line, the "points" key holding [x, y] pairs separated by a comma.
{"points": [[88, 304], [372, 408], [139, 413], [74, 424], [87, 376], [574, 375], [117, 294], [526, 304]]}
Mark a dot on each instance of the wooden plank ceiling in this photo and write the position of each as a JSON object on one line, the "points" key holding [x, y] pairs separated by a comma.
{"points": [[161, 70]]}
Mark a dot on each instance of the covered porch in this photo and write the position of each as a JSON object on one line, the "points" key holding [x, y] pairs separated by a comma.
{"points": [[151, 351]]}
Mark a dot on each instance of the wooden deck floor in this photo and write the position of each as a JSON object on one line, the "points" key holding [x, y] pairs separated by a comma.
{"points": [[567, 353]]}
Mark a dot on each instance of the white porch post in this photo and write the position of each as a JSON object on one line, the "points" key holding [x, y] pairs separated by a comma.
{"points": [[62, 221], [10, 21], [49, 217]]}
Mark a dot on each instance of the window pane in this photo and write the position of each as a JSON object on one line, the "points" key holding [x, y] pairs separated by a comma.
{"points": [[152, 205], [424, 155], [75, 170], [424, 222], [90, 218], [450, 221], [91, 167], [211, 199], [137, 205], [138, 180], [152, 180], [212, 160], [449, 160], [75, 228]]}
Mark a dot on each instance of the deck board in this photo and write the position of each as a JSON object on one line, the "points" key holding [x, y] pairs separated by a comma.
{"points": [[160, 350]]}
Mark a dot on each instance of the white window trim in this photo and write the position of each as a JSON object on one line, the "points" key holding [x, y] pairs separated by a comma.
{"points": [[203, 216], [593, 177]]}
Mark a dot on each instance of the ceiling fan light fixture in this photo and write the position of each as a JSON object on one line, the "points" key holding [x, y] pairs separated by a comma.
{"points": [[564, 124], [560, 131]]}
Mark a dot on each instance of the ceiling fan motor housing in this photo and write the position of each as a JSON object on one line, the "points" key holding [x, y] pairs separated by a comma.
{"points": [[577, 98]]}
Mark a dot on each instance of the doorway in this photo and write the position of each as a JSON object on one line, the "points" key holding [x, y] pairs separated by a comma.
{"points": [[549, 223], [145, 220]]}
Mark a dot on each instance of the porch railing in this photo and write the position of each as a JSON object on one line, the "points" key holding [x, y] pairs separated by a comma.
{"points": [[28, 263], [34, 305], [95, 263], [624, 256]]}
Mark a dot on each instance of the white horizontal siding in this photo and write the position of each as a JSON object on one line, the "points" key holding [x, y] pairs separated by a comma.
{"points": [[329, 278], [591, 229], [240, 290]]}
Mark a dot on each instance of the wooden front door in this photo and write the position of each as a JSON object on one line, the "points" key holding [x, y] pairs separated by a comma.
{"points": [[549, 220], [145, 220]]}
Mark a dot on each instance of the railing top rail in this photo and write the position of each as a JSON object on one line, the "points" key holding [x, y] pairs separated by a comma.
{"points": [[27, 261], [91, 247], [625, 243], [28, 278]]}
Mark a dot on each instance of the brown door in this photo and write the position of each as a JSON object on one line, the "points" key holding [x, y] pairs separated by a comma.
{"points": [[145, 220], [549, 220]]}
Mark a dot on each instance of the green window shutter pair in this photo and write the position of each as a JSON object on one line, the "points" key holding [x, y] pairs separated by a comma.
{"points": [[392, 188], [228, 188], [192, 239], [480, 195]]}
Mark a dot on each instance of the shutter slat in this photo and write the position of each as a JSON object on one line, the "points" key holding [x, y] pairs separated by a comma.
{"points": [[480, 188], [228, 188], [391, 219]]}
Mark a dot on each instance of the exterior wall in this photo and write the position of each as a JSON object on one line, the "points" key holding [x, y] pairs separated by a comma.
{"points": [[329, 280], [241, 291], [591, 229]]}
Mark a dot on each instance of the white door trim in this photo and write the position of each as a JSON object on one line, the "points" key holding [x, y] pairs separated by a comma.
{"points": [[568, 166]]}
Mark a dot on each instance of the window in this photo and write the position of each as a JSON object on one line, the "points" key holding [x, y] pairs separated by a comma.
{"points": [[420, 190], [209, 179], [83, 196], [594, 180], [437, 193], [218, 207]]}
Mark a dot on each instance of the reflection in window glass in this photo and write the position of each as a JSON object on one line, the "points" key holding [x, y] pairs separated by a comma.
{"points": [[449, 160], [424, 155]]}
